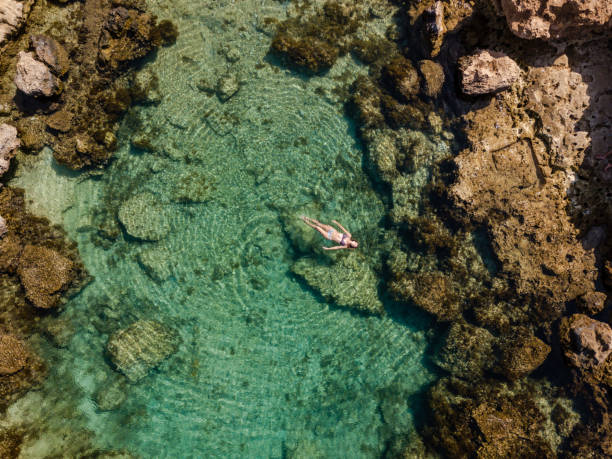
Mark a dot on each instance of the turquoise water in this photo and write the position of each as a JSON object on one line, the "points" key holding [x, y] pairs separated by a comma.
{"points": [[266, 366]]}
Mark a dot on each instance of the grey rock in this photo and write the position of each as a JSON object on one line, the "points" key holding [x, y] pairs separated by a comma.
{"points": [[594, 237], [155, 261], [144, 217], [227, 86], [51, 53], [142, 346], [8, 145], [34, 78], [487, 71]]}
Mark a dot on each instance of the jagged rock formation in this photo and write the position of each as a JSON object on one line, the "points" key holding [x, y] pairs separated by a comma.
{"points": [[142, 346], [34, 78], [487, 71], [558, 19]]}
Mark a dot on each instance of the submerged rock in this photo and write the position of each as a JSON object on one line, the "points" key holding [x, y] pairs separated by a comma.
{"points": [[433, 77], [44, 274], [144, 217], [227, 86], [348, 281], [34, 78], [13, 355], [142, 346], [467, 351], [112, 395], [155, 261], [51, 53], [487, 71], [8, 145], [521, 355]]}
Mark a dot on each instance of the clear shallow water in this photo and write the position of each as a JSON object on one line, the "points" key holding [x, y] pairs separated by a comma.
{"points": [[266, 367]]}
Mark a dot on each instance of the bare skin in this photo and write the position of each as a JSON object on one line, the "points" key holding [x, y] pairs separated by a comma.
{"points": [[343, 238]]}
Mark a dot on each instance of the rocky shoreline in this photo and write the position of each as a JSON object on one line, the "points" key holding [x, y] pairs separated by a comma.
{"points": [[487, 125], [67, 73], [506, 242]]}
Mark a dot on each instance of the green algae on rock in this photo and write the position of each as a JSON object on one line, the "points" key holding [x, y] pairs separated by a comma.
{"points": [[144, 217], [140, 347], [348, 281]]}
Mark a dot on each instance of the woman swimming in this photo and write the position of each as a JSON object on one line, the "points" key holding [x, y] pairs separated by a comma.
{"points": [[331, 233]]}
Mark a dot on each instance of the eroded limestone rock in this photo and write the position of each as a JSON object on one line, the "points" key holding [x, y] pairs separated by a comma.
{"points": [[587, 346], [13, 14], [433, 77], [8, 145], [557, 19], [487, 71], [3, 227], [140, 347], [34, 78]]}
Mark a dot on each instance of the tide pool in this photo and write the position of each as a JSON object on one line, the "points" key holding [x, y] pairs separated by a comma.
{"points": [[266, 366]]}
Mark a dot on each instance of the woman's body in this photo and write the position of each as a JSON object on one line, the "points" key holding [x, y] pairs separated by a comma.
{"points": [[343, 239]]}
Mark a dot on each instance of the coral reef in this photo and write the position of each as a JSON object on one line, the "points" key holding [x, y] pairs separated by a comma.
{"points": [[139, 348]]}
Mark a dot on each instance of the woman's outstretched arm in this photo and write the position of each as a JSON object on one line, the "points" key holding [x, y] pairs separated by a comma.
{"points": [[336, 247]]}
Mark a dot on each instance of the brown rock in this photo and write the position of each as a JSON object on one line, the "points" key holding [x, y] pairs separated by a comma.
{"points": [[34, 78], [60, 121], [13, 355], [51, 53], [522, 356], [487, 71], [10, 249], [8, 145], [557, 19], [433, 77], [401, 78], [32, 133], [44, 274], [3, 227], [592, 303], [587, 346]]}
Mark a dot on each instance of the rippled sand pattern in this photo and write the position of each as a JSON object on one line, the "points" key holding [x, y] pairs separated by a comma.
{"points": [[265, 367]]}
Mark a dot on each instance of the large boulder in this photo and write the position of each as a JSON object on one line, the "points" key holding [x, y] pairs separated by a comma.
{"points": [[44, 274], [142, 346], [144, 217], [467, 351], [51, 53], [522, 354], [34, 78], [13, 13], [555, 19], [8, 145], [487, 71], [348, 281]]}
